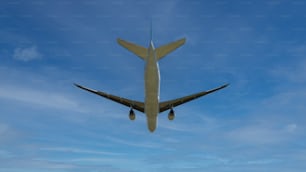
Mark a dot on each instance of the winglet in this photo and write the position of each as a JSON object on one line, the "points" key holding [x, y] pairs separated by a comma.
{"points": [[225, 85], [84, 88], [77, 85]]}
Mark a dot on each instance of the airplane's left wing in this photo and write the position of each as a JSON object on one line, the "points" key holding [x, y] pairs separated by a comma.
{"points": [[130, 103], [163, 106]]}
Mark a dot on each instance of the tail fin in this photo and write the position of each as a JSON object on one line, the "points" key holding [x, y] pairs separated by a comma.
{"points": [[166, 49], [151, 30], [136, 49]]}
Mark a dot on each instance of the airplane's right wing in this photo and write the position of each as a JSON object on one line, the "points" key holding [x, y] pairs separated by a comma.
{"points": [[163, 106], [129, 103]]}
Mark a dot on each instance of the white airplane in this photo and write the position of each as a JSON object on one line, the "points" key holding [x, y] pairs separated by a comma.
{"points": [[151, 105]]}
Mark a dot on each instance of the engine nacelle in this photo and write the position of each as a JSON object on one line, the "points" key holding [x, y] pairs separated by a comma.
{"points": [[171, 115], [132, 115]]}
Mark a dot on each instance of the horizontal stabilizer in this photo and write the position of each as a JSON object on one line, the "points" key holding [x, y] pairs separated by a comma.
{"points": [[166, 49], [136, 49]]}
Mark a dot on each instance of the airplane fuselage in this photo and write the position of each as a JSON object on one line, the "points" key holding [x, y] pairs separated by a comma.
{"points": [[152, 79]]}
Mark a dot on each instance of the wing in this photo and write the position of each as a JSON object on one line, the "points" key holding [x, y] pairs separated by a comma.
{"points": [[163, 106], [130, 103]]}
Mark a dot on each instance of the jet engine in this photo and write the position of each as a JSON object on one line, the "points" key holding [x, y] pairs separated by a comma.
{"points": [[171, 115], [132, 115]]}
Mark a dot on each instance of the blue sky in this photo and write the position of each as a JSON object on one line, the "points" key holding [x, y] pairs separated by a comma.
{"points": [[256, 124]]}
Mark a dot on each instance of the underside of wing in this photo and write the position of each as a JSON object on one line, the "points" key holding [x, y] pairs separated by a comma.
{"points": [[129, 103], [163, 106]]}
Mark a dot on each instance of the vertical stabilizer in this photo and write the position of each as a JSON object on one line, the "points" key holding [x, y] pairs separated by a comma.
{"points": [[151, 31]]}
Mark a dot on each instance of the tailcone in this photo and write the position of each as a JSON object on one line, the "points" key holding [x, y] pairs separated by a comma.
{"points": [[152, 123]]}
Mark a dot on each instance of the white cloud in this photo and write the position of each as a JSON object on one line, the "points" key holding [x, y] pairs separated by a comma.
{"points": [[3, 129], [6, 134], [145, 144], [78, 150], [32, 89], [263, 162], [293, 74], [291, 127], [5, 154], [295, 70], [17, 164], [263, 133], [27, 54], [254, 135], [38, 97]]}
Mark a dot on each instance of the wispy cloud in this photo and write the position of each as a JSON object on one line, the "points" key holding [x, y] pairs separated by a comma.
{"points": [[78, 151], [5, 154], [294, 71], [262, 134], [34, 89], [262, 161], [17, 164], [275, 122], [7, 133], [141, 144], [38, 97], [27, 54], [293, 74]]}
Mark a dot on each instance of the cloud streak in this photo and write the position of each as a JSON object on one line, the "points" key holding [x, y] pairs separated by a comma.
{"points": [[27, 54], [38, 97], [78, 151], [261, 134], [7, 134]]}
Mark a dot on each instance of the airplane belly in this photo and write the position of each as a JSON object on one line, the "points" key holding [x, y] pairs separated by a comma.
{"points": [[151, 105], [152, 94]]}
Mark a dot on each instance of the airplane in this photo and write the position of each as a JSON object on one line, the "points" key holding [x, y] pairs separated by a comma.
{"points": [[151, 106]]}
